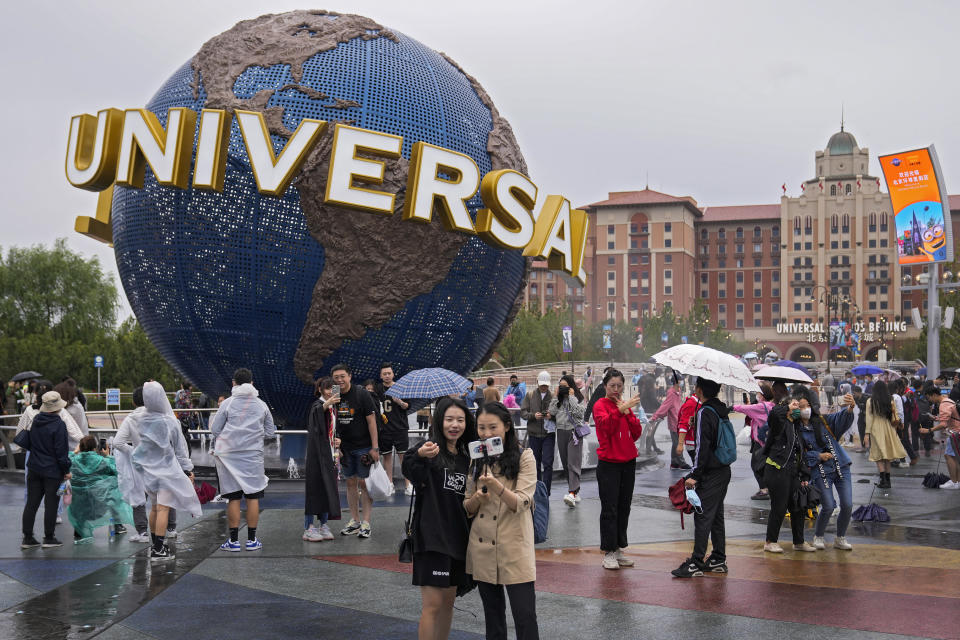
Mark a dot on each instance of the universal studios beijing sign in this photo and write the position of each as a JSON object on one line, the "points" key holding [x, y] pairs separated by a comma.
{"points": [[115, 146]]}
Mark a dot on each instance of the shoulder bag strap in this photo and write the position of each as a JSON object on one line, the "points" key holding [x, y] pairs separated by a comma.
{"points": [[410, 512]]}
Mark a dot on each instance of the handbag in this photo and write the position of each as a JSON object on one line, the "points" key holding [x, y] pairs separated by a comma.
{"points": [[678, 498], [22, 439], [405, 551], [582, 430], [758, 460]]}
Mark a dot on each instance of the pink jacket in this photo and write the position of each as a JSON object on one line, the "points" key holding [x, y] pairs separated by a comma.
{"points": [[758, 414], [670, 409]]}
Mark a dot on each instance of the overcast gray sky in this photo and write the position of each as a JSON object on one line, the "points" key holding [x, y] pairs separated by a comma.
{"points": [[722, 101]]}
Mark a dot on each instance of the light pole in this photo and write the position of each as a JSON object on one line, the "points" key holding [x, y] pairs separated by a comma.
{"points": [[829, 301], [929, 282]]}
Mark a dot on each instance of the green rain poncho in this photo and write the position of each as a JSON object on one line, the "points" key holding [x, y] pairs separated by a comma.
{"points": [[96, 495]]}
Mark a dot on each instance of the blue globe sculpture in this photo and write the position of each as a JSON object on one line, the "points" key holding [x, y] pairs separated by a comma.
{"points": [[289, 286]]}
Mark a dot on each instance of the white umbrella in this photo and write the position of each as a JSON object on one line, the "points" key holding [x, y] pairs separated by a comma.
{"points": [[695, 360], [786, 374]]}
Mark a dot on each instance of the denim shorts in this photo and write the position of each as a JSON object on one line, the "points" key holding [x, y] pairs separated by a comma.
{"points": [[351, 466], [950, 450]]}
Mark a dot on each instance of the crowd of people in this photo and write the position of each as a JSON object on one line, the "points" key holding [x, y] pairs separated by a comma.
{"points": [[472, 523]]}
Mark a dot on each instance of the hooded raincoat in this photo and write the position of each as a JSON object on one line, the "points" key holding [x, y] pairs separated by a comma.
{"points": [[126, 440], [240, 425], [162, 456], [96, 497]]}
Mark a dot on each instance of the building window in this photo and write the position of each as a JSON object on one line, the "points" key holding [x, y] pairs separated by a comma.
{"points": [[722, 233], [757, 308], [807, 306], [704, 278], [739, 248], [722, 278], [722, 293], [775, 231], [611, 260], [549, 290], [775, 292], [611, 229], [797, 306], [668, 259], [906, 305], [883, 221], [644, 259], [775, 309], [739, 308], [872, 244], [834, 220], [808, 246], [667, 290], [739, 323], [667, 227], [846, 224], [722, 263], [633, 227], [847, 188], [611, 245], [757, 248], [644, 291], [644, 243], [643, 228], [757, 276], [756, 232], [739, 293], [634, 259], [873, 222], [833, 189], [703, 234], [739, 232], [533, 289], [634, 244], [667, 274], [722, 309], [611, 291], [834, 244], [633, 291], [739, 276], [705, 293], [667, 242], [611, 275], [722, 249], [796, 246], [872, 305]]}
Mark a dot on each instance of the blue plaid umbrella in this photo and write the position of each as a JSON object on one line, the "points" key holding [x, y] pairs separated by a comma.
{"points": [[429, 384]]}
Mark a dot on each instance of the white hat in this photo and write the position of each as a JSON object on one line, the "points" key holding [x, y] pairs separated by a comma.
{"points": [[543, 378], [52, 402]]}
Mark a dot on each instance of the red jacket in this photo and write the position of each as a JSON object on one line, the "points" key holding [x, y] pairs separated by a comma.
{"points": [[616, 432], [687, 411]]}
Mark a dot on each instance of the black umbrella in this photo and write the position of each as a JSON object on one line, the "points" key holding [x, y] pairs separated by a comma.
{"points": [[949, 371], [26, 375]]}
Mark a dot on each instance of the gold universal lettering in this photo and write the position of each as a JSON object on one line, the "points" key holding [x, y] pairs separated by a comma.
{"points": [[507, 221], [272, 173], [552, 235], [210, 166], [346, 166], [144, 141], [92, 149], [426, 189]]}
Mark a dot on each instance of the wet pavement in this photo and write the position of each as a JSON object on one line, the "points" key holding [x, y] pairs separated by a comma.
{"points": [[901, 580]]}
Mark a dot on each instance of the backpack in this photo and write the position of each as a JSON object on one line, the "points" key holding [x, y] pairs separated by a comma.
{"points": [[910, 408], [726, 449], [678, 498], [541, 513]]}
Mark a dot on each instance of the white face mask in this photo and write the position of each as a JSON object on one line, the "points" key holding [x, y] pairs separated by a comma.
{"points": [[805, 413]]}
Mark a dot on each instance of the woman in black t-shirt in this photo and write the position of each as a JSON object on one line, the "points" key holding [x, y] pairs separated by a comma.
{"points": [[437, 467]]}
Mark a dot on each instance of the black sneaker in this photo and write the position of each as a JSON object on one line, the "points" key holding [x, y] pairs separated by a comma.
{"points": [[119, 529], [760, 495], [163, 554], [713, 566], [29, 542], [51, 542], [689, 569]]}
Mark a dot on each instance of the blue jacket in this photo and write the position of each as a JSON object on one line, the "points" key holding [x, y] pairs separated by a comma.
{"points": [[49, 454], [816, 440]]}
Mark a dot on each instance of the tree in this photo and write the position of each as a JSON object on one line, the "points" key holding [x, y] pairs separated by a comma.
{"points": [[55, 292]]}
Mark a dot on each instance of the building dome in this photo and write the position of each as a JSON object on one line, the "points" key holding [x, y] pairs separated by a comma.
{"points": [[842, 142]]}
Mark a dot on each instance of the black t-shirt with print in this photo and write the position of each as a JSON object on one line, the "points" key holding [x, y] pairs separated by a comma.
{"points": [[396, 416], [440, 522], [352, 411]]}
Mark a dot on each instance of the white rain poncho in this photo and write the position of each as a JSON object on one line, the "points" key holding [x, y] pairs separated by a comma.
{"points": [[240, 425], [126, 440], [162, 456]]}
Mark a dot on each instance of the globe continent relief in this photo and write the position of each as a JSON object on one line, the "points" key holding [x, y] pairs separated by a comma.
{"points": [[289, 286]]}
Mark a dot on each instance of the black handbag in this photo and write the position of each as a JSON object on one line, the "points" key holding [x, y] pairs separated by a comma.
{"points": [[22, 439], [758, 460], [405, 551]]}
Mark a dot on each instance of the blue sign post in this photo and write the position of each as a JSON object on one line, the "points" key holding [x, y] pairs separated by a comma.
{"points": [[98, 364]]}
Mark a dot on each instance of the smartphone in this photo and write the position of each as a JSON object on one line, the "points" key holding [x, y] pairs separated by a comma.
{"points": [[103, 444], [335, 390], [485, 448]]}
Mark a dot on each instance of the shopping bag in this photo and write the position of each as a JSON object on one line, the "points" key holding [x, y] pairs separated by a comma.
{"points": [[379, 486]]}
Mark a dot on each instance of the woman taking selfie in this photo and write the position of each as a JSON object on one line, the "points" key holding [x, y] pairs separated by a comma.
{"points": [[617, 431], [500, 552], [568, 409], [437, 468]]}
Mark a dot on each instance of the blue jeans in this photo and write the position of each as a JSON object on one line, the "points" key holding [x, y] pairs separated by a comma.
{"points": [[543, 449], [828, 503]]}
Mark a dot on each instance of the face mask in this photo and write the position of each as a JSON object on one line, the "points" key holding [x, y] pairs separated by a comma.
{"points": [[795, 414], [563, 391], [694, 500], [805, 413]]}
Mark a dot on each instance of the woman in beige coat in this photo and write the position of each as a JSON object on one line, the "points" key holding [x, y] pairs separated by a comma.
{"points": [[880, 435], [500, 551]]}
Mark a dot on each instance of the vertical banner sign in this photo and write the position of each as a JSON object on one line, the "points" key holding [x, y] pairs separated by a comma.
{"points": [[921, 209], [664, 337], [607, 343], [568, 340]]}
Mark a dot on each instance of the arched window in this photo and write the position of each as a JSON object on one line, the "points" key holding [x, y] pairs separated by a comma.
{"points": [[834, 223], [847, 188], [883, 221], [808, 224], [833, 189], [796, 224], [872, 221], [756, 232], [739, 232], [846, 223], [722, 233], [775, 231], [703, 234]]}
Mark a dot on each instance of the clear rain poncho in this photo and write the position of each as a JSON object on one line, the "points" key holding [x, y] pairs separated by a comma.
{"points": [[96, 497], [129, 479], [162, 456], [240, 425]]}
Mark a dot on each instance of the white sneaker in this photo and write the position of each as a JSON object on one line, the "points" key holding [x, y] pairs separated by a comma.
{"points": [[409, 490], [577, 497], [623, 560], [139, 537], [806, 547], [818, 543], [172, 534], [610, 560], [59, 519], [772, 547], [950, 485], [570, 500], [218, 498], [325, 533], [841, 543], [312, 535]]}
